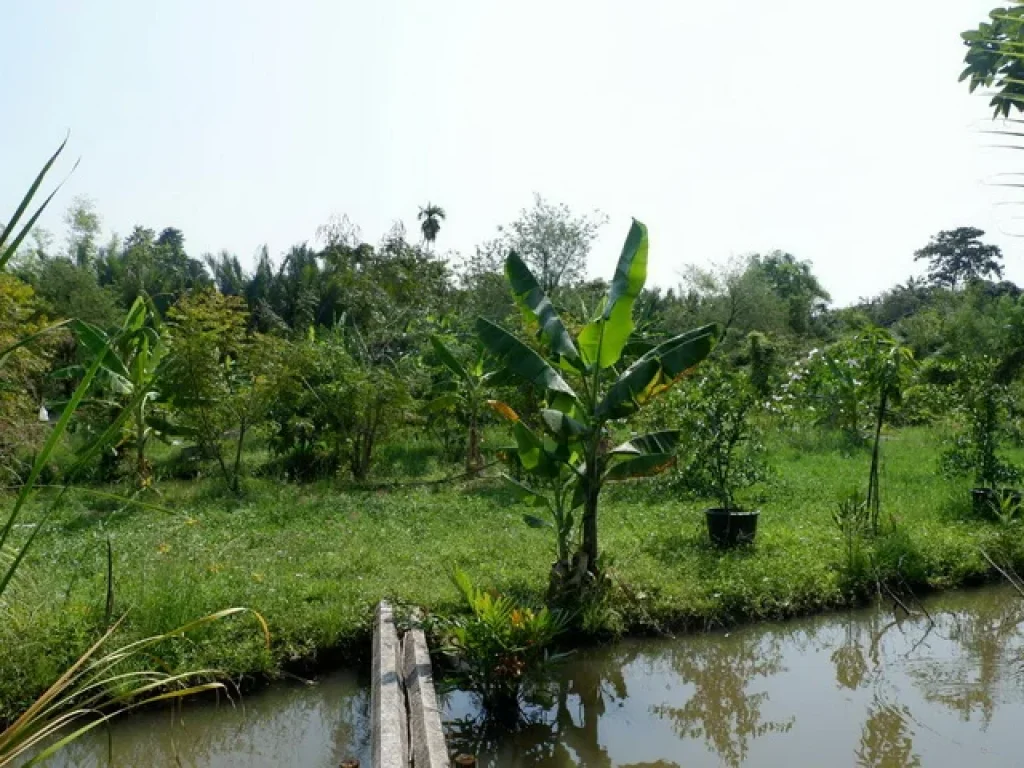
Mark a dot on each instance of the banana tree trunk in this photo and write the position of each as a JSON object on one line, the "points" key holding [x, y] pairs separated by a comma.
{"points": [[588, 549], [140, 446], [473, 461]]}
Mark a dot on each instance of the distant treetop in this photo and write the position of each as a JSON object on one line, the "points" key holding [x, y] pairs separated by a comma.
{"points": [[957, 257]]}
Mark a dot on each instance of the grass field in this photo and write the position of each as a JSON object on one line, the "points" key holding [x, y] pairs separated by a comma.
{"points": [[314, 559]]}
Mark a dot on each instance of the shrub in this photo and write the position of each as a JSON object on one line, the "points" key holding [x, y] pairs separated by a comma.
{"points": [[982, 404], [720, 438], [330, 409], [501, 649], [218, 377]]}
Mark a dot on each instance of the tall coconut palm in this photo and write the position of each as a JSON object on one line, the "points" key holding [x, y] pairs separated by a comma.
{"points": [[430, 218]]}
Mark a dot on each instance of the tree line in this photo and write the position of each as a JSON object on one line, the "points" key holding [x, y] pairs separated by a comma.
{"points": [[329, 349]]}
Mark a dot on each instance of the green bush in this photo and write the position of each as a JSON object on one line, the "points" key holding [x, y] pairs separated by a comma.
{"points": [[721, 441], [982, 406], [329, 409], [500, 649]]}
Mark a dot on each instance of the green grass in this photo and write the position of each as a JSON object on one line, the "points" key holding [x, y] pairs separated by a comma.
{"points": [[314, 559]]}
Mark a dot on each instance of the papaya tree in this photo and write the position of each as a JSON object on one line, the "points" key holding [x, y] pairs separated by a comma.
{"points": [[584, 392]]}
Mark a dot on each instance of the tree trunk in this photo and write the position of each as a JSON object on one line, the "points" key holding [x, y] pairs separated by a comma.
{"points": [[237, 471], [589, 548], [473, 447], [140, 446]]}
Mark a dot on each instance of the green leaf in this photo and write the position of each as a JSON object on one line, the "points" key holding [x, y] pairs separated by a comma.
{"points": [[526, 494], [640, 466], [654, 442], [442, 403], [136, 315], [656, 371], [532, 455], [446, 357], [7, 351], [560, 425], [607, 336], [8, 250], [520, 359], [99, 344], [535, 305]]}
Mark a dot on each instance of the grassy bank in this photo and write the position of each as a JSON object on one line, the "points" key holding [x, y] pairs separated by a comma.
{"points": [[314, 559]]}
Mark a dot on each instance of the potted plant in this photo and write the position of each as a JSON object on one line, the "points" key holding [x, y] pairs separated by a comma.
{"points": [[727, 454], [982, 405]]}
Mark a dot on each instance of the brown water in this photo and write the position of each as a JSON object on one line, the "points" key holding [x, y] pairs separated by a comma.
{"points": [[866, 688], [288, 725]]}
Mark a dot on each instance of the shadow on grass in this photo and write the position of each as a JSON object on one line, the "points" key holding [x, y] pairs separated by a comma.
{"points": [[408, 459], [495, 490], [693, 544]]}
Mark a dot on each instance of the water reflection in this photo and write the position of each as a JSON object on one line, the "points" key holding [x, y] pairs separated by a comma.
{"points": [[561, 724], [869, 688], [298, 725], [886, 739], [969, 681], [849, 658], [722, 709], [866, 688]]}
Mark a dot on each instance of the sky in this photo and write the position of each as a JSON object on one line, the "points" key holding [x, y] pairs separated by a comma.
{"points": [[837, 132]]}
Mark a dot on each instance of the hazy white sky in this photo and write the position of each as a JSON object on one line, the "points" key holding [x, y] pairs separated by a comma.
{"points": [[835, 131]]}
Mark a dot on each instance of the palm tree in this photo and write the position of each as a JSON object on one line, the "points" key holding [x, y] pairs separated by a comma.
{"points": [[430, 218]]}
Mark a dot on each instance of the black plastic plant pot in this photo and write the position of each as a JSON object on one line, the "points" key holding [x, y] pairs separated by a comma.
{"points": [[986, 502], [730, 528]]}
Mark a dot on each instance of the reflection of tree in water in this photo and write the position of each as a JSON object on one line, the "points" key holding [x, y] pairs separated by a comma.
{"points": [[562, 726], [984, 633], [721, 710], [532, 742], [848, 659], [858, 655], [886, 740]]}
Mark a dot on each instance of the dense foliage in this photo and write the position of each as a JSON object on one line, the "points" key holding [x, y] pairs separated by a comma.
{"points": [[326, 355]]}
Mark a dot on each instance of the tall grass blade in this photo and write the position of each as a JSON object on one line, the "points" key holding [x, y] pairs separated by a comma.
{"points": [[37, 467], [93, 689], [7, 251], [24, 342]]}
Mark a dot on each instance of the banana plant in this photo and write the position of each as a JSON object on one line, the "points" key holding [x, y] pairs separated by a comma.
{"points": [[130, 359], [585, 390], [468, 397]]}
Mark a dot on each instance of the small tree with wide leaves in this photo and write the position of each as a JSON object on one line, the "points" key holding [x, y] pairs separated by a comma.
{"points": [[569, 463], [466, 397], [131, 365]]}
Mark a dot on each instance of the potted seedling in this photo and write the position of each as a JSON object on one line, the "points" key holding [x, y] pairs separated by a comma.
{"points": [[976, 450], [727, 452]]}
